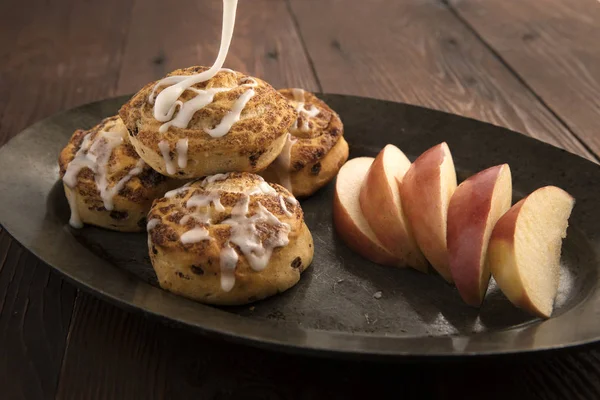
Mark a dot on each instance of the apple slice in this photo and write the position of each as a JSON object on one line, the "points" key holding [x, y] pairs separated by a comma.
{"points": [[380, 203], [348, 219], [524, 250], [474, 209], [425, 192]]}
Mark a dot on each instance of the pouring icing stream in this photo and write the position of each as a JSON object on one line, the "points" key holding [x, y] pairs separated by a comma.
{"points": [[174, 112], [166, 101]]}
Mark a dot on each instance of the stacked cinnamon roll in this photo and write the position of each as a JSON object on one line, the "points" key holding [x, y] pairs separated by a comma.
{"points": [[186, 159]]}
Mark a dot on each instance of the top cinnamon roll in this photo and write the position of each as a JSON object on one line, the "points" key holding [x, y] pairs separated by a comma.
{"points": [[187, 126]]}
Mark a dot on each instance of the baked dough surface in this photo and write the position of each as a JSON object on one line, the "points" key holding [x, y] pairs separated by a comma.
{"points": [[194, 270]]}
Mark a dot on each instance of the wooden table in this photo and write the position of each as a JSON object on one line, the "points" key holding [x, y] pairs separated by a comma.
{"points": [[532, 66]]}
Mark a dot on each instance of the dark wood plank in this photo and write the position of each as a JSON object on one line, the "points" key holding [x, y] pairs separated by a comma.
{"points": [[67, 53], [112, 354], [53, 55], [418, 52], [35, 311], [553, 46], [265, 43]]}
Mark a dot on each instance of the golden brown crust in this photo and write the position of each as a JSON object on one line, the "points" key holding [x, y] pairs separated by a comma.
{"points": [[324, 130], [194, 270], [132, 202], [317, 153], [313, 176], [251, 144]]}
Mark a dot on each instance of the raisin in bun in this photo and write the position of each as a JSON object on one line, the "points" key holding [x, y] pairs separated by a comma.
{"points": [[106, 182], [315, 148], [228, 239], [232, 122]]}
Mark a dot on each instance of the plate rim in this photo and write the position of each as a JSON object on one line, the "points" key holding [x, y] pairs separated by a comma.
{"points": [[295, 339]]}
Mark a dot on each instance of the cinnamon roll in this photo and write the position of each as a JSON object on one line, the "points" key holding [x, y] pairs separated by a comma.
{"points": [[315, 149], [228, 239], [196, 122], [106, 182]]}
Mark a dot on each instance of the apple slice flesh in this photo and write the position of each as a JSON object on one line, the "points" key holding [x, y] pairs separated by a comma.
{"points": [[348, 218], [380, 204], [524, 250], [474, 209], [425, 192]]}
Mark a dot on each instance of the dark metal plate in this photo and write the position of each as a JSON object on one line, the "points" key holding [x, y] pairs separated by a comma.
{"points": [[333, 309]]}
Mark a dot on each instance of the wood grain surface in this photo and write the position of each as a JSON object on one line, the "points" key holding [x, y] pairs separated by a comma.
{"points": [[50, 60], [418, 52], [113, 354], [469, 57], [265, 42], [35, 312], [59, 59], [552, 45]]}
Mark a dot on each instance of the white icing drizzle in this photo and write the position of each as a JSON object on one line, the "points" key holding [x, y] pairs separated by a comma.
{"points": [[284, 208], [189, 108], [228, 262], [80, 161], [167, 102], [198, 217], [152, 224], [175, 192], [169, 80], [203, 98], [245, 235], [244, 232], [195, 235], [203, 200], [165, 150], [292, 200], [107, 193], [262, 188], [284, 162], [214, 178], [301, 109], [232, 116], [95, 154], [182, 152], [75, 220]]}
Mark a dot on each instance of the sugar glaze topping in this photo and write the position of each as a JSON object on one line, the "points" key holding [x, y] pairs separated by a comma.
{"points": [[94, 153], [244, 225], [174, 112], [181, 153], [302, 111], [284, 162]]}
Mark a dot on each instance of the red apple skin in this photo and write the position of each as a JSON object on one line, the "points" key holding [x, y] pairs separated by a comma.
{"points": [[426, 206], [471, 220], [386, 218], [502, 262], [347, 228]]}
